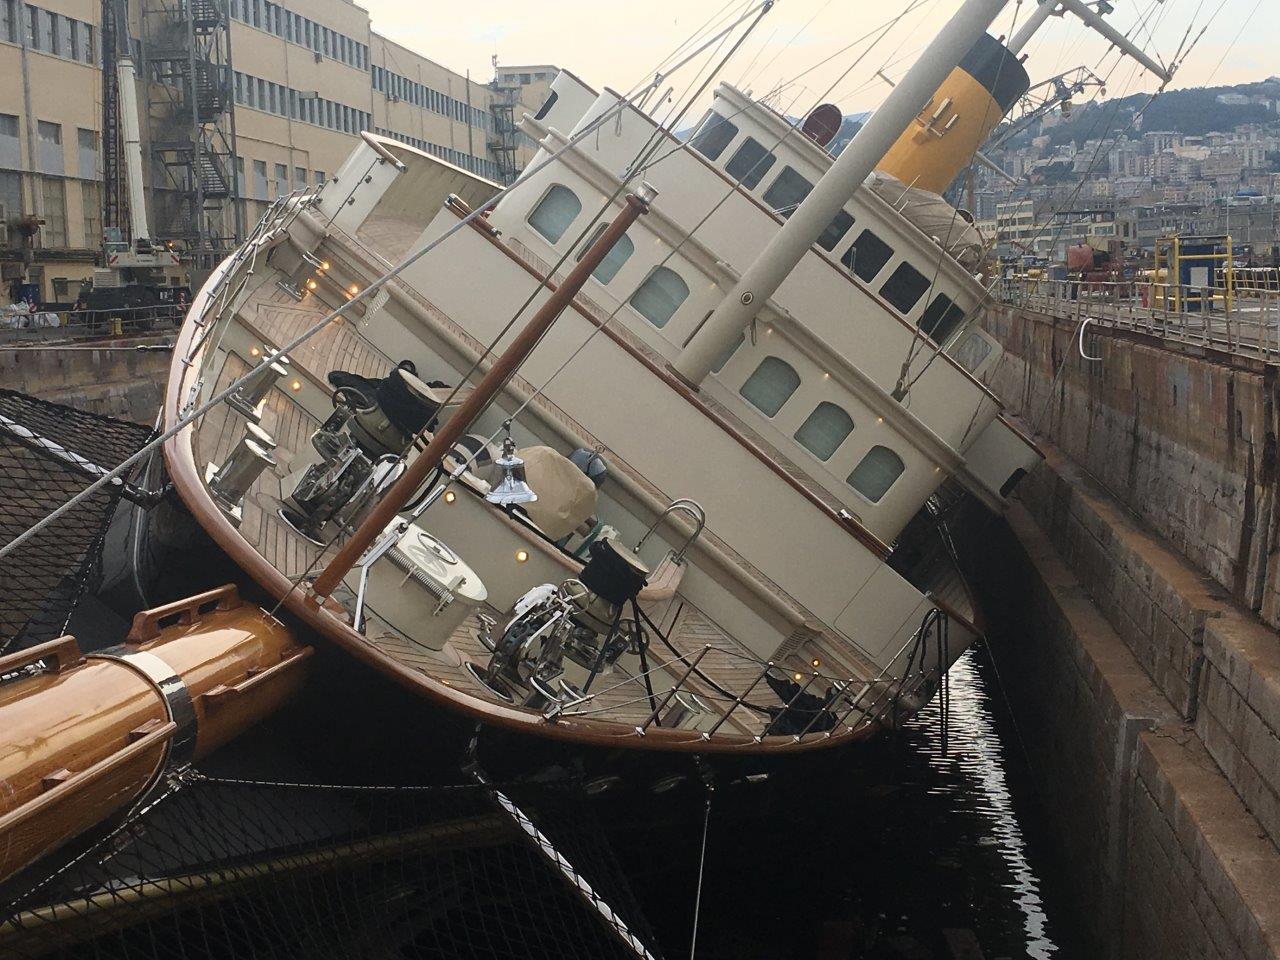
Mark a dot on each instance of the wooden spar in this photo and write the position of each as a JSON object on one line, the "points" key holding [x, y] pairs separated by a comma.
{"points": [[502, 370]]}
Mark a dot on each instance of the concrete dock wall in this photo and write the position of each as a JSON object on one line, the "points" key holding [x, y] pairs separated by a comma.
{"points": [[1144, 677], [109, 377], [1185, 439]]}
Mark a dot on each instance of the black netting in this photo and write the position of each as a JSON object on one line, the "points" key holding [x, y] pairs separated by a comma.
{"points": [[247, 870], [41, 581]]}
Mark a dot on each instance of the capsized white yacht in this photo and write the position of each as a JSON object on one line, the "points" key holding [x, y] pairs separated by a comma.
{"points": [[650, 450]]}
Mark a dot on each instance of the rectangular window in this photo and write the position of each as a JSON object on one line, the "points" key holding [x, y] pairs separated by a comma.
{"points": [[54, 197], [91, 210], [867, 256], [65, 46], [787, 192], [750, 163], [10, 146], [9, 20], [905, 287], [33, 28], [87, 54], [835, 231], [87, 144], [299, 177], [319, 178], [941, 318], [260, 179], [48, 32], [282, 180]]}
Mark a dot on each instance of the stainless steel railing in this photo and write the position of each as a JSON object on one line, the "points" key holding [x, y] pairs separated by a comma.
{"points": [[1243, 320]]}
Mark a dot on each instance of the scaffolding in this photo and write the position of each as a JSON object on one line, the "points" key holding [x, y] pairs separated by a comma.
{"points": [[190, 128], [504, 140]]}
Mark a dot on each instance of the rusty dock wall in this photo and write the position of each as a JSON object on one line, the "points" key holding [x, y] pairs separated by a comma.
{"points": [[111, 377], [1134, 606]]}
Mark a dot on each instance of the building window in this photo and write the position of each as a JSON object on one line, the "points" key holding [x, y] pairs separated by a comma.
{"points": [[750, 163], [835, 231], [660, 296], [260, 179], [713, 135], [87, 142], [876, 473], [614, 259], [824, 430], [91, 206], [9, 20], [787, 192], [557, 210], [941, 318], [771, 386], [299, 177], [867, 256], [905, 287], [33, 28], [54, 198], [10, 148], [282, 180]]}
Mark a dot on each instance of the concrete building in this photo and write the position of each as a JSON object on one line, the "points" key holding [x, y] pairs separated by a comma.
{"points": [[308, 79]]}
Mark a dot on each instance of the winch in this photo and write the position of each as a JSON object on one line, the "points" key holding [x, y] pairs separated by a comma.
{"points": [[560, 638]]}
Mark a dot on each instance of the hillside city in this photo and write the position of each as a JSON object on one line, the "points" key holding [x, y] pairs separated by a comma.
{"points": [[1203, 162]]}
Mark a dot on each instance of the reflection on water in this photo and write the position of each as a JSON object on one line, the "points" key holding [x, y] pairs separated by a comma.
{"points": [[896, 850], [971, 779]]}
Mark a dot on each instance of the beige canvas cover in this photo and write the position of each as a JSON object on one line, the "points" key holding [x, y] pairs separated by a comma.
{"points": [[933, 216], [565, 496]]}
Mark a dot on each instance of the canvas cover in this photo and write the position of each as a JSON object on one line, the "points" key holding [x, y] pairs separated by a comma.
{"points": [[933, 216], [566, 497]]}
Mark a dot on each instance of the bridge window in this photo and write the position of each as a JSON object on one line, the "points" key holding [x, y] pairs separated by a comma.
{"points": [[614, 259], [713, 135], [750, 163], [973, 350], [867, 256], [905, 287], [941, 318], [786, 192], [824, 430], [772, 385], [876, 473], [658, 298], [557, 210], [835, 231]]}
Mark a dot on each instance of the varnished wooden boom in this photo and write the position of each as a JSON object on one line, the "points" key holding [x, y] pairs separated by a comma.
{"points": [[84, 736]]}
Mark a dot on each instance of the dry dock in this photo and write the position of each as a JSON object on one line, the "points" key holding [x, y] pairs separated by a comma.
{"points": [[1137, 634]]}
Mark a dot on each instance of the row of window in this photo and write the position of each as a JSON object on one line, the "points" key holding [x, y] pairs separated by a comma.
{"points": [[264, 187], [397, 87], [298, 105], [767, 389], [55, 232], [48, 32], [866, 257], [773, 383], [298, 29], [477, 165]]}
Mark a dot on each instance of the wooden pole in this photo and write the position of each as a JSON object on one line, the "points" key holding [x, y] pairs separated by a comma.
{"points": [[503, 368]]}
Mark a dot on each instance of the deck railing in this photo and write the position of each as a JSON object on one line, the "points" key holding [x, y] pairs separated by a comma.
{"points": [[1242, 320], [840, 710]]}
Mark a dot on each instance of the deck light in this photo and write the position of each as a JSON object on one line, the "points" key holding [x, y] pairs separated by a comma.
{"points": [[522, 556], [324, 265], [255, 352], [816, 663], [797, 677], [311, 284], [353, 289], [450, 496], [295, 386]]}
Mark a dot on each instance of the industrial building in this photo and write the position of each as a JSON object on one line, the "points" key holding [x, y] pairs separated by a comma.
{"points": [[243, 101]]}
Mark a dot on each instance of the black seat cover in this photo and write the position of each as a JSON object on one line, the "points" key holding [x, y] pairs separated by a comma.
{"points": [[611, 574]]}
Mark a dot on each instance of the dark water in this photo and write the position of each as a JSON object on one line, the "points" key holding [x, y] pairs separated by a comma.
{"points": [[899, 850]]}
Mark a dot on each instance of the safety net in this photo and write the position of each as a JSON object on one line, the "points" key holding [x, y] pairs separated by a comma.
{"points": [[41, 444], [217, 868]]}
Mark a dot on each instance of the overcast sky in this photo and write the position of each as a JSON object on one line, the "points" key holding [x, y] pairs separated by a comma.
{"points": [[616, 44]]}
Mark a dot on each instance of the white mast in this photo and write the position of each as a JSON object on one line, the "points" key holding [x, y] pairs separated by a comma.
{"points": [[762, 278]]}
